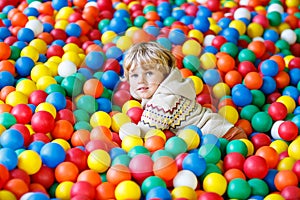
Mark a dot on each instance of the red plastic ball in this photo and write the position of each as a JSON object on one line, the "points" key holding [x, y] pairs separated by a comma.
{"points": [[4, 175], [59, 34], [83, 188], [55, 50], [22, 113], [294, 62], [269, 154], [37, 97], [255, 167], [120, 97], [260, 139], [233, 160], [179, 159], [66, 114], [135, 114], [20, 174], [245, 67], [112, 64], [42, 122], [45, 176], [209, 196], [78, 157], [218, 41], [277, 111], [296, 169], [291, 192], [40, 137], [288, 130]]}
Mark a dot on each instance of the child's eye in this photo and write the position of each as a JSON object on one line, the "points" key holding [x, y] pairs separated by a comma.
{"points": [[134, 75], [149, 73]]}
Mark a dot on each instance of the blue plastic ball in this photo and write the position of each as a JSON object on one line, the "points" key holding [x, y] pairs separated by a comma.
{"points": [[114, 52], [8, 158], [36, 146], [203, 12], [271, 34], [158, 193], [24, 65], [110, 79], [296, 120], [231, 34], [210, 139], [195, 163], [201, 23], [177, 36], [118, 25], [114, 152], [187, 20], [52, 154], [6, 79], [211, 77], [35, 196], [210, 49], [31, 11], [194, 128], [58, 42], [104, 104], [256, 197], [294, 76], [57, 99], [178, 14], [4, 33], [292, 92], [269, 179], [165, 42], [224, 22], [152, 30], [7, 8], [20, 44], [94, 60], [58, 4], [121, 13], [47, 27], [241, 95], [269, 85], [12, 138], [73, 29], [269, 68], [86, 73]]}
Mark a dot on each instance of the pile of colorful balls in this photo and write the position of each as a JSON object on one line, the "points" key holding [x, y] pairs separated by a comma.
{"points": [[68, 124]]}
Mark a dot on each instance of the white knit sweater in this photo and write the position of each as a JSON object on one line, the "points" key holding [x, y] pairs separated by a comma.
{"points": [[173, 106]]}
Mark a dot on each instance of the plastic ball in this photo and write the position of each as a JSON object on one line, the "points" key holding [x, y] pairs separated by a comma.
{"points": [[97, 164], [215, 182], [288, 130], [63, 190], [261, 122], [9, 158], [158, 192], [6, 78], [195, 163], [141, 171], [95, 60], [176, 36], [118, 173], [190, 137], [269, 154], [130, 141], [29, 161], [233, 160], [150, 183], [176, 145], [52, 154], [288, 101], [285, 178], [184, 192], [211, 77], [127, 190], [208, 60], [22, 113], [66, 68], [288, 35], [255, 167], [90, 176], [12, 138], [5, 51], [229, 113], [185, 178], [238, 188], [191, 47], [110, 79], [165, 167], [277, 111], [237, 146], [253, 80], [290, 192], [293, 149], [241, 95]]}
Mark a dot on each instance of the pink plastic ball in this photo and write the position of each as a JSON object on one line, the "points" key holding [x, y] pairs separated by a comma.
{"points": [[141, 167]]}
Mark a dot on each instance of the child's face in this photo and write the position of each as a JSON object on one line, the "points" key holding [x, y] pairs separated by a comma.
{"points": [[144, 82]]}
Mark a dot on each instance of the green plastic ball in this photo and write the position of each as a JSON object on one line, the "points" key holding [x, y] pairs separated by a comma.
{"points": [[261, 122], [238, 189], [258, 187], [237, 146], [248, 112]]}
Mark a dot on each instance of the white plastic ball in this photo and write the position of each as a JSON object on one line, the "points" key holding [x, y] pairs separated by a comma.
{"points": [[275, 7], [128, 129], [244, 2], [35, 4], [36, 26], [242, 13], [208, 40], [274, 130], [258, 39], [289, 35], [185, 178], [66, 68], [91, 3]]}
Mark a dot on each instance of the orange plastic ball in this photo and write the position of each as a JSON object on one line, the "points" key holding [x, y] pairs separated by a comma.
{"points": [[80, 137], [269, 154], [245, 125], [90, 176], [46, 8], [63, 129], [140, 36], [234, 173], [19, 19], [5, 91], [282, 79], [165, 167], [79, 3], [17, 186], [258, 48], [232, 78], [154, 143], [105, 190], [118, 173], [66, 171], [4, 51], [279, 60], [6, 65], [93, 87], [253, 80], [100, 132], [285, 178], [186, 72], [225, 63]]}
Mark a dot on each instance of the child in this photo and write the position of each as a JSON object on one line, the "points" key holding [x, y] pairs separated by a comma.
{"points": [[169, 100]]}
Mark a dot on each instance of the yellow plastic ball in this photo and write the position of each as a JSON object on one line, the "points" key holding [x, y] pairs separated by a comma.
{"points": [[124, 42], [128, 190], [7, 195], [279, 146], [39, 71], [2, 128], [274, 196], [31, 52], [45, 106], [292, 3], [117, 120], [53, 67], [63, 190], [215, 182], [229, 113], [283, 26], [100, 118], [99, 160], [64, 13], [55, 59], [288, 101], [250, 146], [155, 132], [183, 192], [190, 137], [15, 97], [130, 141], [220, 90], [108, 37], [286, 163], [131, 30], [72, 47], [294, 149], [208, 61], [130, 104], [198, 84], [287, 59], [132, 3], [255, 30], [61, 24], [29, 161], [191, 47], [194, 33], [215, 28], [63, 143], [73, 57], [229, 4], [40, 45], [26, 86], [121, 6], [239, 25], [43, 82]]}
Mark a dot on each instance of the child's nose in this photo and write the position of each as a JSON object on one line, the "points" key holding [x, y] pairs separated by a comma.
{"points": [[141, 78]]}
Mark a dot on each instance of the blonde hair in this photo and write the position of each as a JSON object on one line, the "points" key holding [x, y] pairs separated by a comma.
{"points": [[148, 55]]}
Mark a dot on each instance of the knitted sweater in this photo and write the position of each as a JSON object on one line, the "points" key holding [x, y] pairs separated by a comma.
{"points": [[173, 106]]}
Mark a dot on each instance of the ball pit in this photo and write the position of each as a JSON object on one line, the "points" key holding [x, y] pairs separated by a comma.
{"points": [[69, 126]]}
